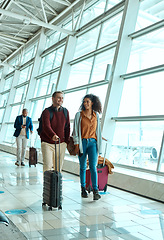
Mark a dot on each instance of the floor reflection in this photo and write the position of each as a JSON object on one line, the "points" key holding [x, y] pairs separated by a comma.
{"points": [[118, 215]]}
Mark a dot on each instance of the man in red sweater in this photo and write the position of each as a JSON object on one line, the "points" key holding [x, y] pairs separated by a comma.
{"points": [[55, 125]]}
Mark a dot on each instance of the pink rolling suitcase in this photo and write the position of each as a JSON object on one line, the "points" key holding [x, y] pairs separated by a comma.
{"points": [[102, 172]]}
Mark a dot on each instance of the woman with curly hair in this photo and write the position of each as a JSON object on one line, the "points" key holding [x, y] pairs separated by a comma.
{"points": [[87, 139]]}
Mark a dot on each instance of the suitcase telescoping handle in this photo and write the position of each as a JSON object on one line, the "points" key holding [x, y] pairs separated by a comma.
{"points": [[105, 153], [106, 144], [56, 155]]}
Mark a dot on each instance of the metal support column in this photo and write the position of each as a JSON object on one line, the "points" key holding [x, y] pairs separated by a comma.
{"points": [[119, 67], [65, 69], [35, 69]]}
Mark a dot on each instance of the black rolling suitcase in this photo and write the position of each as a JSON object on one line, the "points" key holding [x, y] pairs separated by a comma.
{"points": [[52, 187], [33, 157]]}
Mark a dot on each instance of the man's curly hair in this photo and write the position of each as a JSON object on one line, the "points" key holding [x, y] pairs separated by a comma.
{"points": [[96, 103]]}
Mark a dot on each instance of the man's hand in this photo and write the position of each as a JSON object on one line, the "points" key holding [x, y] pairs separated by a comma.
{"points": [[31, 131], [55, 138], [23, 126]]}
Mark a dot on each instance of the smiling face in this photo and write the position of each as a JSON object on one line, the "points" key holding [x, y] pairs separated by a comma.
{"points": [[58, 100], [87, 104]]}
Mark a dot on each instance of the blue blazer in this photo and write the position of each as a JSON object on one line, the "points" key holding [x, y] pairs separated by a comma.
{"points": [[19, 122]]}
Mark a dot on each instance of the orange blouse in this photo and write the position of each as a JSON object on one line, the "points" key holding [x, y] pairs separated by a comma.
{"points": [[88, 126]]}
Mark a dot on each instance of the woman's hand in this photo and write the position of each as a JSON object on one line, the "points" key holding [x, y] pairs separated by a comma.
{"points": [[77, 149]]}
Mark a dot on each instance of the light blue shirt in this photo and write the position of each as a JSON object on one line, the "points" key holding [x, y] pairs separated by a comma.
{"points": [[77, 133]]}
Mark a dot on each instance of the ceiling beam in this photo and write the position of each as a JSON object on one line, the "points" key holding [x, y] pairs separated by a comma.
{"points": [[13, 23], [49, 7], [29, 20], [1, 53], [43, 10], [13, 28], [62, 2], [79, 17], [8, 45], [25, 10], [32, 7], [68, 2], [15, 38], [65, 11], [18, 33], [36, 8], [9, 38], [8, 49]]}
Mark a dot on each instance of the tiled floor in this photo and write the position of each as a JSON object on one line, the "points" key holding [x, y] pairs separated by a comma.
{"points": [[118, 215]]}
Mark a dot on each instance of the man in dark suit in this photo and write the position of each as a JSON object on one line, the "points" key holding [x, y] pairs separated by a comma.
{"points": [[22, 124]]}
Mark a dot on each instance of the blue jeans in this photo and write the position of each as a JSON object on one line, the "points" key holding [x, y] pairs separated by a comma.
{"points": [[90, 149]]}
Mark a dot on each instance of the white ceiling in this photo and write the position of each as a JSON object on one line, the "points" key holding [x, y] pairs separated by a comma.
{"points": [[21, 19]]}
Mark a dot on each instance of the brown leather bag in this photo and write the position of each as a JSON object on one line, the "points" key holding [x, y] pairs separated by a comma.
{"points": [[71, 147]]}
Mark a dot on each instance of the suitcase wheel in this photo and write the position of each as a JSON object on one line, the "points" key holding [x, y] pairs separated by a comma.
{"points": [[105, 188], [50, 208], [60, 207]]}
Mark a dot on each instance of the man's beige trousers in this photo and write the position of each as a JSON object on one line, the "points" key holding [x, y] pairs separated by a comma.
{"points": [[48, 153]]}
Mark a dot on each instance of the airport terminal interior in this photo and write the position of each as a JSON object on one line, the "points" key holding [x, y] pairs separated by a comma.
{"points": [[113, 49]]}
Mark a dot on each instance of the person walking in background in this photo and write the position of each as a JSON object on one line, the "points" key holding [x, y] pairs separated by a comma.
{"points": [[55, 125], [88, 140], [22, 124]]}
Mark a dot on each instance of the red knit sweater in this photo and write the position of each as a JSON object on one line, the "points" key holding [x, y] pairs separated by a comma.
{"points": [[58, 126]]}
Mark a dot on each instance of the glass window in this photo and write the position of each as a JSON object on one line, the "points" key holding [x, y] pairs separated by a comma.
{"points": [[58, 58], [72, 102], [137, 144], [87, 42], [15, 111], [110, 30], [9, 134], [36, 109], [48, 102], [14, 62], [162, 164], [8, 82], [110, 4], [46, 85], [67, 26], [1, 114], [80, 73], [93, 11], [47, 62], [1, 72], [52, 83], [147, 51], [150, 12], [41, 86], [20, 94], [3, 99], [100, 65], [51, 60], [29, 53], [143, 96], [25, 74], [35, 139], [52, 39]]}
